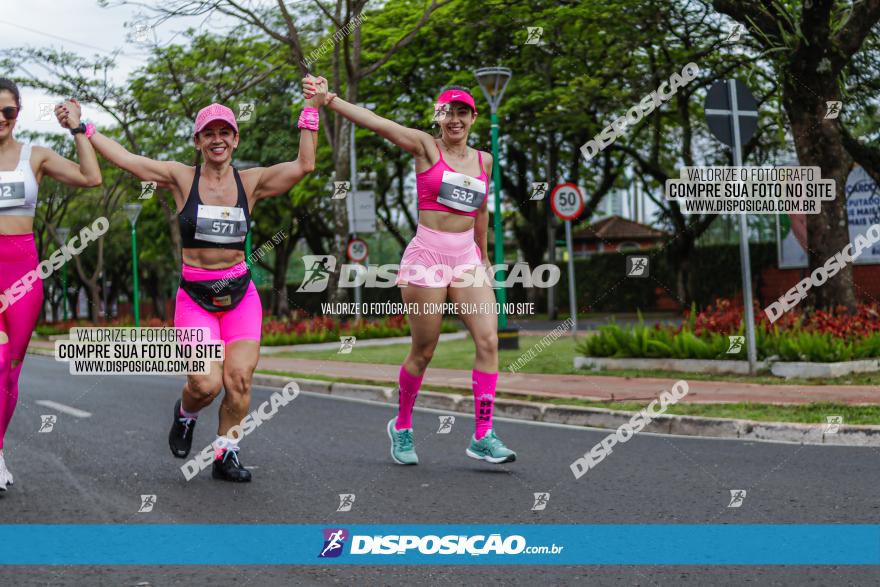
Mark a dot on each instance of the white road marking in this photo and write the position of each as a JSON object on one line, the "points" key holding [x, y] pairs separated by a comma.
{"points": [[63, 408]]}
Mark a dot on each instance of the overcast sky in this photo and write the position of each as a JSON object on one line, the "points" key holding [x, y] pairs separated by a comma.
{"points": [[81, 26], [84, 27]]}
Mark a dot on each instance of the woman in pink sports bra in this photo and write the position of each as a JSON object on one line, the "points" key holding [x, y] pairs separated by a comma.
{"points": [[446, 258], [22, 168]]}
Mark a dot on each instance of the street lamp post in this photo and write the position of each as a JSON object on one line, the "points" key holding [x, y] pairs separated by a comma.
{"points": [[132, 211], [248, 244], [493, 81], [63, 233]]}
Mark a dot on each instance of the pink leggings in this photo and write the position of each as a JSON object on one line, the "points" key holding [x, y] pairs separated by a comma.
{"points": [[245, 322], [20, 310]]}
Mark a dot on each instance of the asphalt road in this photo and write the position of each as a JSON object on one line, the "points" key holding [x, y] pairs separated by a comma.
{"points": [[94, 469]]}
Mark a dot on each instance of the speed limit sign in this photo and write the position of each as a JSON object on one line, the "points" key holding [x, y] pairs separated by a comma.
{"points": [[357, 250], [567, 201]]}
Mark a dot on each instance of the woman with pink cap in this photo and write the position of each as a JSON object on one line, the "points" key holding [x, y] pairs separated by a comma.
{"points": [[445, 258], [22, 168], [214, 202]]}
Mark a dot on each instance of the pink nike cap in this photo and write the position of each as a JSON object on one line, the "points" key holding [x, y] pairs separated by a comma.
{"points": [[456, 96], [209, 114]]}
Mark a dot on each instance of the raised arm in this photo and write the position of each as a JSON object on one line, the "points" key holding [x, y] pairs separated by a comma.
{"points": [[413, 141], [144, 168], [84, 174], [278, 179]]}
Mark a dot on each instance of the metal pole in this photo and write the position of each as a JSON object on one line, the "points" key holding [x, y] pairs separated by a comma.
{"points": [[551, 240], [551, 258], [572, 302], [353, 163], [134, 272], [106, 293], [499, 234], [248, 246], [743, 239], [64, 288]]}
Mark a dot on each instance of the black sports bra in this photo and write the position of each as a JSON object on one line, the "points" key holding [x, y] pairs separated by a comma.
{"points": [[205, 226]]}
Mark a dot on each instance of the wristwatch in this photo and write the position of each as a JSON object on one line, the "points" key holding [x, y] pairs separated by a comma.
{"points": [[84, 127]]}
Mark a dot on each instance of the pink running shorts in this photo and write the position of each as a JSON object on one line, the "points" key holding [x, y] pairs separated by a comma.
{"points": [[245, 322], [435, 258]]}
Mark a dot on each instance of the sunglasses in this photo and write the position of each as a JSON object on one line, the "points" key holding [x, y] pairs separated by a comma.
{"points": [[10, 112]]}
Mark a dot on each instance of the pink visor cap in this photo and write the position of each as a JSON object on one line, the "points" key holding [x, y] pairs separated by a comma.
{"points": [[456, 96], [209, 114]]}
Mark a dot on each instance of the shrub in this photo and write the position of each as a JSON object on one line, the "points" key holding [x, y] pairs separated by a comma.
{"points": [[820, 337]]}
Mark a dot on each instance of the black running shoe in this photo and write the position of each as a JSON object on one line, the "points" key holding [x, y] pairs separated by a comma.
{"points": [[229, 468], [180, 438]]}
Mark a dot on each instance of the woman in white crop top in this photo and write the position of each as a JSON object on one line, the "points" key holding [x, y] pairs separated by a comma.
{"points": [[22, 168]]}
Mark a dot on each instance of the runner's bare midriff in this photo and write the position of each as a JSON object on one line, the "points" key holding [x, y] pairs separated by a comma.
{"points": [[16, 225], [445, 221], [212, 258]]}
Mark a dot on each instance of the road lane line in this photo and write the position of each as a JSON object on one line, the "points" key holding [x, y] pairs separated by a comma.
{"points": [[63, 408]]}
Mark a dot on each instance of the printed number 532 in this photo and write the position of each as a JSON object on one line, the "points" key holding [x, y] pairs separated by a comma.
{"points": [[463, 195]]}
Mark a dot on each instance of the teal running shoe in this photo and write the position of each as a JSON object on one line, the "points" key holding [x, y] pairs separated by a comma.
{"points": [[491, 449], [402, 450]]}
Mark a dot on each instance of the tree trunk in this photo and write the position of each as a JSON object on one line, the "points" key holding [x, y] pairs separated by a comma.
{"points": [[280, 301], [94, 292], [679, 255], [821, 145]]}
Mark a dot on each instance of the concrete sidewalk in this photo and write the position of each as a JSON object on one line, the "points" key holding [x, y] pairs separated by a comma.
{"points": [[592, 387]]}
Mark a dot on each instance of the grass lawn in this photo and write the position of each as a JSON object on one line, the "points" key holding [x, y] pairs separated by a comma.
{"points": [[814, 413], [558, 357]]}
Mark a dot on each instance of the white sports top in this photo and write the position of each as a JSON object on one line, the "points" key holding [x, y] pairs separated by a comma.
{"points": [[18, 188]]}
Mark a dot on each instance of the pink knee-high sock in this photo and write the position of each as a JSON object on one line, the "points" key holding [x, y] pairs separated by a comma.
{"points": [[8, 396], [484, 400], [409, 389]]}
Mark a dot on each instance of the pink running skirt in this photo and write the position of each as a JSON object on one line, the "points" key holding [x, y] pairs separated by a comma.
{"points": [[435, 258]]}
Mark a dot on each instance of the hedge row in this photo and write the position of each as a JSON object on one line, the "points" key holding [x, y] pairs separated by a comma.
{"points": [[601, 283]]}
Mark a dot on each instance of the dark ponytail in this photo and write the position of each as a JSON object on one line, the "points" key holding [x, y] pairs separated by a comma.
{"points": [[9, 86]]}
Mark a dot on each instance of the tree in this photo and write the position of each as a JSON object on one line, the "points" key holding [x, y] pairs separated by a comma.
{"points": [[810, 46], [347, 64]]}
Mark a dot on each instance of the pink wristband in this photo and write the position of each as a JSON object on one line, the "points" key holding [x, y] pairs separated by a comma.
{"points": [[90, 130], [308, 119]]}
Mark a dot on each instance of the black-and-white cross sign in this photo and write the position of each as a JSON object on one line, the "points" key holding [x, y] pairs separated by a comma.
{"points": [[731, 111]]}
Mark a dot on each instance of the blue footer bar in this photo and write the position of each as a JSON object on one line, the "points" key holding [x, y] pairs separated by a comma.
{"points": [[648, 544]]}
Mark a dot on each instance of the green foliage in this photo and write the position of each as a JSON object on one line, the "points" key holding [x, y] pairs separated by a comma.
{"points": [[603, 287], [642, 341]]}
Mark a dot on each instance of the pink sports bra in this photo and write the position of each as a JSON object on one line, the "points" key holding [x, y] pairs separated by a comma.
{"points": [[442, 188]]}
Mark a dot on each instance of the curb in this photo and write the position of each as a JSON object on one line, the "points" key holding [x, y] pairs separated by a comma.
{"points": [[710, 366], [35, 350], [600, 417], [784, 369]]}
